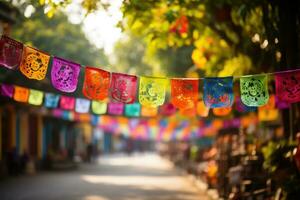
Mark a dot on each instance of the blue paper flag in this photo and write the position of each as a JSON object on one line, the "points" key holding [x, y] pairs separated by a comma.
{"points": [[51, 100], [218, 92]]}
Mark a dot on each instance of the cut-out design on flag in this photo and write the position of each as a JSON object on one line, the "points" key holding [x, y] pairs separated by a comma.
{"points": [[96, 84], [98, 107], [115, 108], [240, 107], [67, 103], [7, 90], [202, 110], [123, 88], [184, 93], [268, 115], [51, 100], [149, 111], [288, 86], [64, 75], [218, 92], [167, 109], [21, 94], [34, 63], [82, 105], [35, 97], [10, 52], [132, 110], [152, 91], [222, 111], [254, 90]]}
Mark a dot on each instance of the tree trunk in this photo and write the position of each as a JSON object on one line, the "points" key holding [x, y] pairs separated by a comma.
{"points": [[289, 49]]}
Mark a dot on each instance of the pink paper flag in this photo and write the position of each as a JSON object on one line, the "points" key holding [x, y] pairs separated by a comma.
{"points": [[10, 52], [288, 86], [67, 103], [123, 88], [64, 75], [115, 108]]}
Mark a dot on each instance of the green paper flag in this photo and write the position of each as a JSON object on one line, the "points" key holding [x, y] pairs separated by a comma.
{"points": [[98, 107], [254, 90], [35, 97]]}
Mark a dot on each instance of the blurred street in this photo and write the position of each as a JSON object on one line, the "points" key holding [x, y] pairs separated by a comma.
{"points": [[118, 177]]}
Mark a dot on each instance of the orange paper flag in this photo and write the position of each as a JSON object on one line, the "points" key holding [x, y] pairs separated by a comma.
{"points": [[96, 84], [184, 93], [223, 111], [34, 63], [21, 94]]}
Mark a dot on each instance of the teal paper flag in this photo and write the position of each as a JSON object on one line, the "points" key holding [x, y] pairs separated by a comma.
{"points": [[132, 110]]}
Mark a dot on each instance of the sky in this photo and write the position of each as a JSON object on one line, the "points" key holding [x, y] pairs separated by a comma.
{"points": [[100, 26]]}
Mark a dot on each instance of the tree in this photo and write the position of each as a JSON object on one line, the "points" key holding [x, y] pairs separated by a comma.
{"points": [[56, 36]]}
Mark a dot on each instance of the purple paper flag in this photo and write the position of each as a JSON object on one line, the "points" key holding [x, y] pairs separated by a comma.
{"points": [[64, 75], [7, 90]]}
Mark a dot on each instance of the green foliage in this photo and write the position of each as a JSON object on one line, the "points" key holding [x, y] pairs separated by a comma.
{"points": [[176, 23], [59, 37], [279, 162], [130, 56]]}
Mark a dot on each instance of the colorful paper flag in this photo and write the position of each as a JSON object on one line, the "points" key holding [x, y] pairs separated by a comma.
{"points": [[64, 75], [222, 111], [34, 63], [96, 84], [35, 97], [149, 111], [51, 100], [202, 110], [82, 105], [184, 93], [115, 108], [254, 90], [281, 104], [21, 94], [123, 88], [95, 121], [132, 110], [288, 86], [7, 90], [167, 109], [67, 103], [10, 52], [270, 104], [268, 115], [98, 107], [218, 92], [57, 112], [189, 112], [152, 91]]}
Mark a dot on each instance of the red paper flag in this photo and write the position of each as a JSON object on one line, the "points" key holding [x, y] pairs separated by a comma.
{"points": [[123, 88], [96, 83]]}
